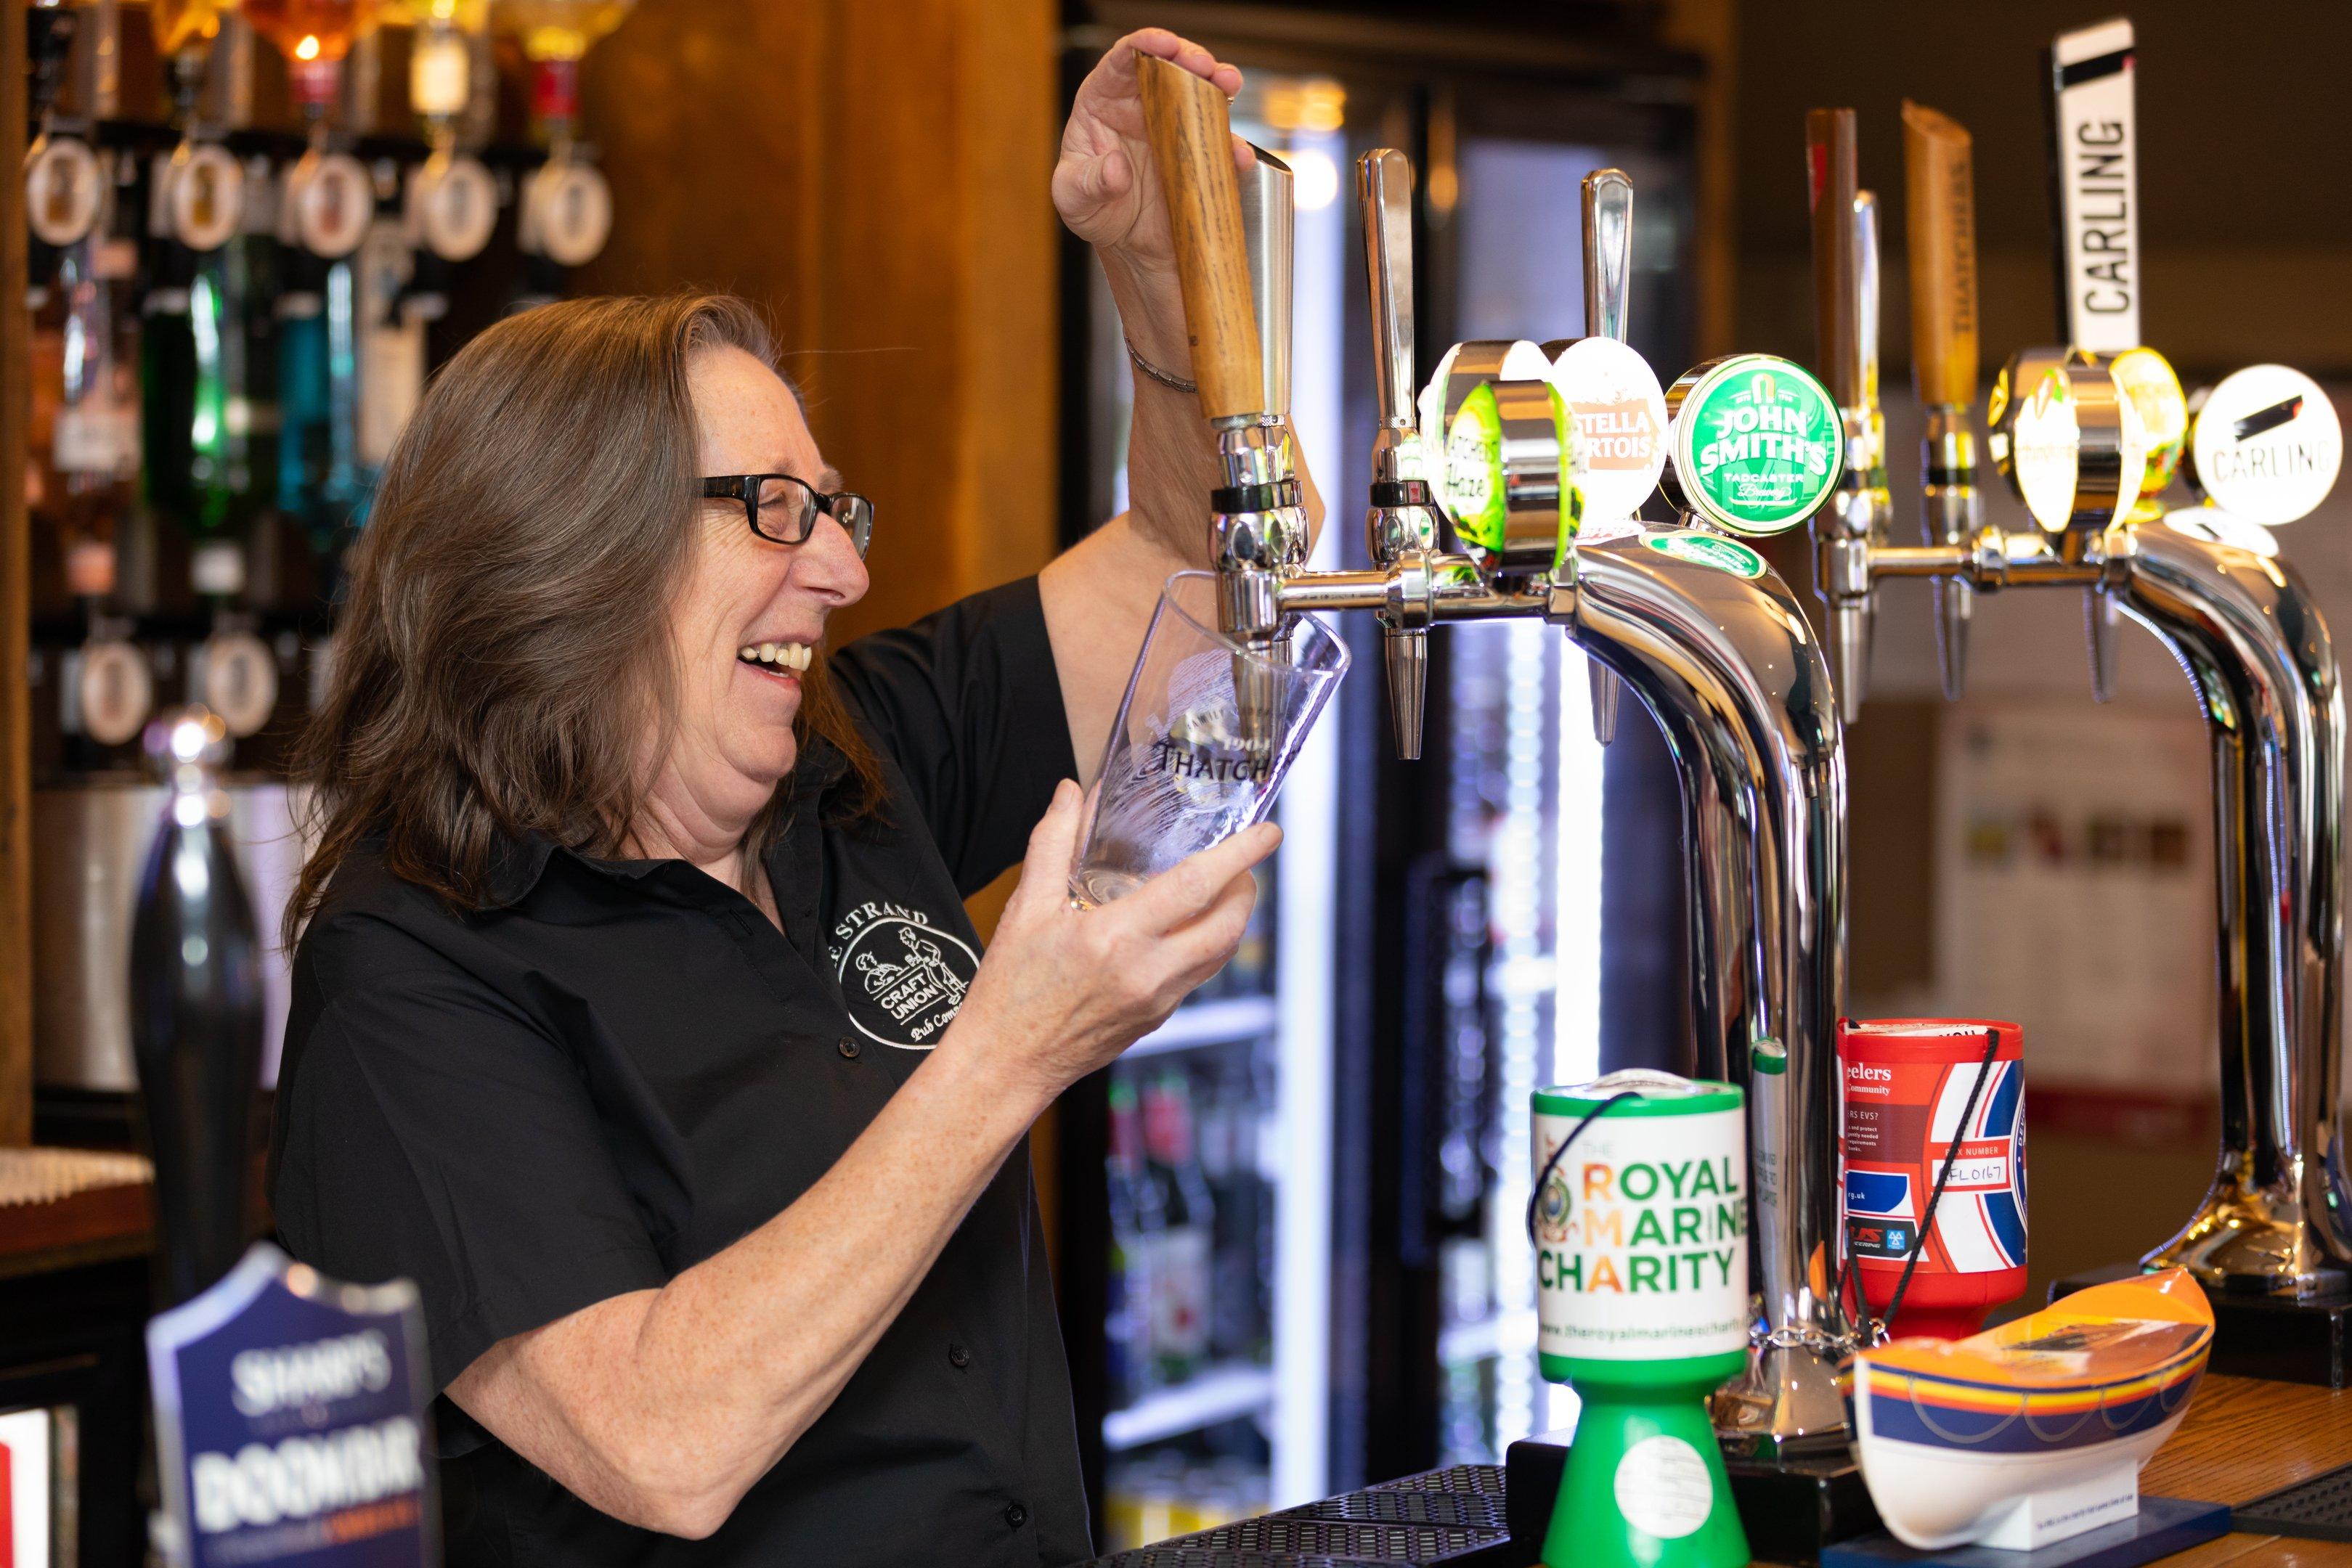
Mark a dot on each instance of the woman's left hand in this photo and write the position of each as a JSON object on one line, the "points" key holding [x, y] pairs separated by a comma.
{"points": [[1106, 186]]}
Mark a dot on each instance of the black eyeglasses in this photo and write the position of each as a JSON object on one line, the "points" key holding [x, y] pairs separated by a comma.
{"points": [[784, 508]]}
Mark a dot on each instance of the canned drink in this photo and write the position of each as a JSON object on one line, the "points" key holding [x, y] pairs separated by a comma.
{"points": [[1907, 1086]]}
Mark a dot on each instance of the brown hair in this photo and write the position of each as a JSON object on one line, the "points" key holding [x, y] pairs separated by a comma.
{"points": [[503, 647]]}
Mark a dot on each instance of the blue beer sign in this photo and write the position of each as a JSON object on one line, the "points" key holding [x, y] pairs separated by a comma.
{"points": [[289, 1422]]}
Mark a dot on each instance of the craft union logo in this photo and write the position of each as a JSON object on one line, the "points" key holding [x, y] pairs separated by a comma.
{"points": [[904, 978]]}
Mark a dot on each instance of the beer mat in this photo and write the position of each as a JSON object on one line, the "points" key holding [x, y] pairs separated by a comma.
{"points": [[2163, 1526], [2317, 1510], [50, 1175], [1453, 1516]]}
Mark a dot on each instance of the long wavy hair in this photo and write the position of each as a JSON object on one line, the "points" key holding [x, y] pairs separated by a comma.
{"points": [[503, 652]]}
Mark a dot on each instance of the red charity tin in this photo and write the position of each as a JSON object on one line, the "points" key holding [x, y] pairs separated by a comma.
{"points": [[1907, 1084]]}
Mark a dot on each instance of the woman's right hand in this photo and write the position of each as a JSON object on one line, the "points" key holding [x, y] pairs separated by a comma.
{"points": [[1063, 990]]}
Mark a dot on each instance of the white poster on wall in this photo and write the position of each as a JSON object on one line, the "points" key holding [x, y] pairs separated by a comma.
{"points": [[2075, 891]]}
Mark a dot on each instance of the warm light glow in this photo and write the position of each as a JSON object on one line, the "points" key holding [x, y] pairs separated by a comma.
{"points": [[1318, 179], [307, 50], [1307, 105]]}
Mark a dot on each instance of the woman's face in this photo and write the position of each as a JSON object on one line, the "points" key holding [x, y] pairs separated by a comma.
{"points": [[734, 737]]}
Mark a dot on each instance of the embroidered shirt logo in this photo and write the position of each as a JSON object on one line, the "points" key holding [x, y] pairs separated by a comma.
{"points": [[904, 978]]}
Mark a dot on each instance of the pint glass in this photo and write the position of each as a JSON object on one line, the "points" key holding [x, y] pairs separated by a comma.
{"points": [[1177, 775]]}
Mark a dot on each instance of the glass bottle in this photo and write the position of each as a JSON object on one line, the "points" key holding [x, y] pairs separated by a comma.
{"points": [[315, 37], [325, 207], [1135, 1223], [83, 479], [86, 429], [554, 34], [391, 336], [1180, 1277], [167, 360]]}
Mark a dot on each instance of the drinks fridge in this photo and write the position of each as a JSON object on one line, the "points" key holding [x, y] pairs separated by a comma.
{"points": [[1345, 1104]]}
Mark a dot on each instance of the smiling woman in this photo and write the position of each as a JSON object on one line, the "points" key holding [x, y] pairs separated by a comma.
{"points": [[638, 1017], [509, 620]]}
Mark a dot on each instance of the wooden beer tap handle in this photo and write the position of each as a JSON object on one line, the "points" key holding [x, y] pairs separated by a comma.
{"points": [[1837, 311], [1192, 143], [1940, 192]]}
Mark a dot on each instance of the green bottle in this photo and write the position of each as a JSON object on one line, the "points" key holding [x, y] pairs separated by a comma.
{"points": [[1640, 1234]]}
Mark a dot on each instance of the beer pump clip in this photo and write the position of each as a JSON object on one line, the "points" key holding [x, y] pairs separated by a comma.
{"points": [[2265, 449]]}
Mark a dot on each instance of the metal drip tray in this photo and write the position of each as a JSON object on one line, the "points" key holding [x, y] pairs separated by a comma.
{"points": [[2318, 1509], [1457, 1509], [1443, 1516]]}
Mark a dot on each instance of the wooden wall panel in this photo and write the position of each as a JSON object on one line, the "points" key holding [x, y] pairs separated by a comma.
{"points": [[876, 178], [1710, 28], [16, 698]]}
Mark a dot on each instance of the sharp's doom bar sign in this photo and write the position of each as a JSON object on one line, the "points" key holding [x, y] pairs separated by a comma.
{"points": [[289, 1420]]}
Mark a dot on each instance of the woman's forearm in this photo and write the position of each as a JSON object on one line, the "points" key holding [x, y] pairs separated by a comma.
{"points": [[664, 1407], [1172, 455]]}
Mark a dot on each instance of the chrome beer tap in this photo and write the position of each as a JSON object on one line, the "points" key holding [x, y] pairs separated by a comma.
{"points": [[1845, 308], [1709, 640], [1608, 295], [2088, 436], [1400, 527], [1939, 180], [1258, 527]]}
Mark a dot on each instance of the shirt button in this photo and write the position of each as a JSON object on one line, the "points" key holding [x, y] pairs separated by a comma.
{"points": [[1015, 1515], [849, 1048], [959, 1357]]}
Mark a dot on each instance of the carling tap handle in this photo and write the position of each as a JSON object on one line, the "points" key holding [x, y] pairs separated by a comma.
{"points": [[1384, 187], [1608, 252], [1940, 199], [1837, 313], [2094, 178], [1192, 142]]}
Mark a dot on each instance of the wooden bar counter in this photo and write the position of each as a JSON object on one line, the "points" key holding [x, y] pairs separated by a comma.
{"points": [[2244, 1439]]}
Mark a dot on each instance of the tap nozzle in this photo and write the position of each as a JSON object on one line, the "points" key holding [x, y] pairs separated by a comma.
{"points": [[1953, 515], [1406, 655], [1400, 525], [1258, 532]]}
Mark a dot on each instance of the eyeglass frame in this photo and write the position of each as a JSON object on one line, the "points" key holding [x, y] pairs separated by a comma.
{"points": [[744, 490]]}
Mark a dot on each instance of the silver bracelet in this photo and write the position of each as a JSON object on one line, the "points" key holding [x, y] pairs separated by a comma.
{"points": [[1172, 382]]}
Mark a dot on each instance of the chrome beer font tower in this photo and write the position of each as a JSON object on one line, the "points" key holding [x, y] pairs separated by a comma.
{"points": [[2088, 435], [1515, 447]]}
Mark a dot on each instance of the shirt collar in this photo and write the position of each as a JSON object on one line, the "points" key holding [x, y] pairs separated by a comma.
{"points": [[517, 861]]}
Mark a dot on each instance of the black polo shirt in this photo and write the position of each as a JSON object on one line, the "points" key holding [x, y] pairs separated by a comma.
{"points": [[622, 1067]]}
